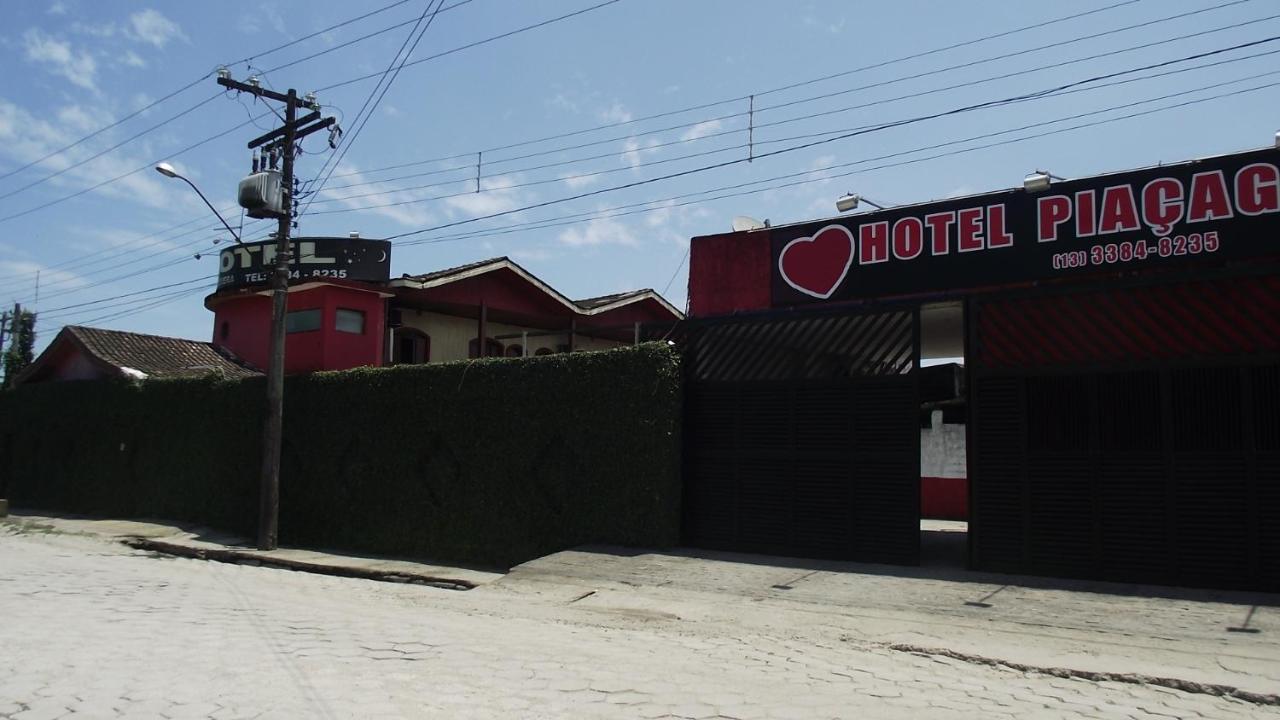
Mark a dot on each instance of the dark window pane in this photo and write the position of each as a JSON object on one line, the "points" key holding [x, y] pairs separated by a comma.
{"points": [[349, 321], [302, 321]]}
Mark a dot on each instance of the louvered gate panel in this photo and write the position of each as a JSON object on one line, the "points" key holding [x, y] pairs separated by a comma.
{"points": [[816, 451], [1129, 433], [1264, 386]]}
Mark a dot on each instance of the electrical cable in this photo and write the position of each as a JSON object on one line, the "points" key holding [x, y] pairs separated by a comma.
{"points": [[1052, 92], [477, 43], [360, 39], [728, 163], [810, 116], [666, 202], [381, 91], [669, 202], [877, 65], [190, 85]]}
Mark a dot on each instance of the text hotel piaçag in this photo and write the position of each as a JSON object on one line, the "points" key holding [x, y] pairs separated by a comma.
{"points": [[310, 259], [1214, 209]]}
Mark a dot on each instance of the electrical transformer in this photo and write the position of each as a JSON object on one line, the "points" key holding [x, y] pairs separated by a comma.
{"points": [[260, 195]]}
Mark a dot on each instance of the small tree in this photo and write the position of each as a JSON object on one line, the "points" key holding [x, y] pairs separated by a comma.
{"points": [[21, 348]]}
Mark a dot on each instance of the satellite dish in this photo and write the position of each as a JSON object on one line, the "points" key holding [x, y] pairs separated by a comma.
{"points": [[742, 223]]}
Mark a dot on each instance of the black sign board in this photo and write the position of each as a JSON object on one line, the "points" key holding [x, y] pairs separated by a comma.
{"points": [[316, 258], [1204, 211]]}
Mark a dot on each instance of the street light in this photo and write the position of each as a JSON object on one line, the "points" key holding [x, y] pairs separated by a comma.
{"points": [[1039, 181], [168, 170], [850, 202]]}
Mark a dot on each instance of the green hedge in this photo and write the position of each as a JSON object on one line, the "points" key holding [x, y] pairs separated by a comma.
{"points": [[491, 461]]}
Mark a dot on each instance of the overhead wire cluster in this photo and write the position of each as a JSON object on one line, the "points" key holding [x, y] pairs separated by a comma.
{"points": [[103, 263]]}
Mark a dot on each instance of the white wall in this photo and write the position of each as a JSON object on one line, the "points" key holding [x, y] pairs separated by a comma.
{"points": [[942, 450], [451, 336]]}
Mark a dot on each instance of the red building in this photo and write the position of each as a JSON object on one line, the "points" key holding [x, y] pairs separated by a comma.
{"points": [[345, 311], [1121, 345]]}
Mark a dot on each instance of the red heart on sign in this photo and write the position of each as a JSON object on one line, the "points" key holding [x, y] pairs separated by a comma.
{"points": [[817, 265]]}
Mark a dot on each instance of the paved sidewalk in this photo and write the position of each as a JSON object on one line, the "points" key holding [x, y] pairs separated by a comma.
{"points": [[1213, 638], [204, 543], [93, 628]]}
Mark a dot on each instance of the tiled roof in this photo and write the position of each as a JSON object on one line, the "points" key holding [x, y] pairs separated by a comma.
{"points": [[426, 277], [595, 302], [157, 356]]}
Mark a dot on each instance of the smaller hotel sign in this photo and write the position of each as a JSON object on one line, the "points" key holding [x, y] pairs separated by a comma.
{"points": [[1211, 210], [310, 259]]}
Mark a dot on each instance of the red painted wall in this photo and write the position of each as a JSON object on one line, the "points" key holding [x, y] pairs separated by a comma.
{"points": [[342, 350], [944, 498], [729, 273], [248, 325]]}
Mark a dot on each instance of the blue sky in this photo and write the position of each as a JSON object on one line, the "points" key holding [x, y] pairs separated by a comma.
{"points": [[73, 66]]}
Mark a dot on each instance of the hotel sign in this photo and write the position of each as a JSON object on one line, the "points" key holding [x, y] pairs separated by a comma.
{"points": [[310, 259], [1211, 210]]}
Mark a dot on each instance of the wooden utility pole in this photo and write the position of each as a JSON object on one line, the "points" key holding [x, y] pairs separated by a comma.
{"points": [[285, 139]]}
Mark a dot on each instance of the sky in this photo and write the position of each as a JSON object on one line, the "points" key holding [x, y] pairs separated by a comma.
{"points": [[585, 96]]}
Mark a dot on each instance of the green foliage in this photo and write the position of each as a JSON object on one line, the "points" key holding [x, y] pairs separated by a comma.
{"points": [[490, 461], [21, 346]]}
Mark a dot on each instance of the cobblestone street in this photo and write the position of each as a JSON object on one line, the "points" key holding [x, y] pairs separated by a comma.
{"points": [[94, 629]]}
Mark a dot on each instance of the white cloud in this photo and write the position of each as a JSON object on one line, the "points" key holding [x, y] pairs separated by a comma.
{"points": [[28, 269], [132, 59], [701, 130], [27, 137], [409, 215], [580, 181], [57, 9], [634, 153], [80, 68], [562, 101], [615, 113], [80, 119], [601, 231], [498, 197], [660, 216], [149, 26]]}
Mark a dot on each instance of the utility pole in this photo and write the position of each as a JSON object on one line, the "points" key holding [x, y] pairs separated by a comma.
{"points": [[4, 329], [283, 138]]}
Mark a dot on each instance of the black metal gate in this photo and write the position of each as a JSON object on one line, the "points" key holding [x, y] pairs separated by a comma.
{"points": [[1129, 433], [802, 436]]}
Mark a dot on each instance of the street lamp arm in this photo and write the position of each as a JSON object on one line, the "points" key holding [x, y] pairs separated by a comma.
{"points": [[211, 207]]}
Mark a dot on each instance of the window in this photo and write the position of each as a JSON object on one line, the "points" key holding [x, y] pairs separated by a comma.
{"points": [[302, 321], [412, 347], [349, 321], [515, 350], [225, 331]]}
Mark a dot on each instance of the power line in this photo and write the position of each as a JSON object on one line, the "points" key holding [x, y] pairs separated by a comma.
{"points": [[773, 124], [477, 43], [163, 300], [118, 145], [601, 214], [393, 75], [814, 143], [192, 84], [1053, 92], [117, 301], [668, 203], [873, 66], [360, 39], [135, 171]]}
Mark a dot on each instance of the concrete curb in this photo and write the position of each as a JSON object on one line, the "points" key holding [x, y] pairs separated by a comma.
{"points": [[257, 557]]}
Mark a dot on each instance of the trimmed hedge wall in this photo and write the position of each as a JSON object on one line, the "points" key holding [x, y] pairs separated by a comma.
{"points": [[490, 461]]}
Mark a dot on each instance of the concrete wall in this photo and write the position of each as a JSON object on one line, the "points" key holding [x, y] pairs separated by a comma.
{"points": [[944, 484], [942, 450], [451, 336]]}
